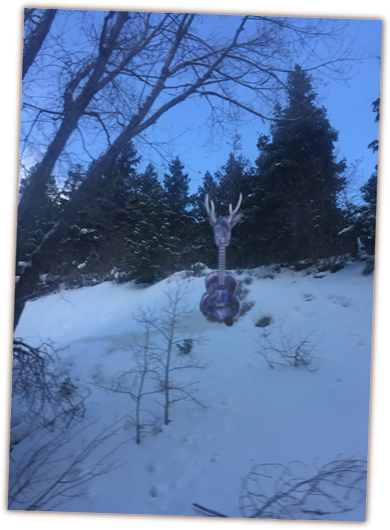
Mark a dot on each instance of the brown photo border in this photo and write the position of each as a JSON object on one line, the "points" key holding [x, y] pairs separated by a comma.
{"points": [[297, 12]]}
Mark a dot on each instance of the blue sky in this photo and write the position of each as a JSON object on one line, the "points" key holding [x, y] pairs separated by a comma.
{"points": [[183, 130]]}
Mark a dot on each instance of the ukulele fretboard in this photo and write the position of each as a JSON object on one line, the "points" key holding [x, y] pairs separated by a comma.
{"points": [[221, 265]]}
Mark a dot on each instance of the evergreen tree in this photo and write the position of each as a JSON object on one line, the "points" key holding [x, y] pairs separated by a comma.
{"points": [[71, 184], [47, 213], [151, 249], [233, 178], [44, 220], [176, 184], [209, 186], [294, 211], [203, 242], [96, 242], [367, 222], [181, 222], [370, 192], [362, 218]]}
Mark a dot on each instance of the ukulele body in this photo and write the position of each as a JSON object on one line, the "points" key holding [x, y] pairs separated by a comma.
{"points": [[220, 302]]}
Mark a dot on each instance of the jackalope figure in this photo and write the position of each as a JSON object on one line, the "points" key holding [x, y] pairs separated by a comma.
{"points": [[220, 300]]}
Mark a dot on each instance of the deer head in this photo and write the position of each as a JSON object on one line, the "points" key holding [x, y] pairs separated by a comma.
{"points": [[222, 227]]}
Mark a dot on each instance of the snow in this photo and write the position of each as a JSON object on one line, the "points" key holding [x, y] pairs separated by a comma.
{"points": [[254, 414], [345, 230]]}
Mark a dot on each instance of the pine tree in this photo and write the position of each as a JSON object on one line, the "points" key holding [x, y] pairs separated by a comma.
{"points": [[233, 178], [294, 207], [361, 219], [151, 252], [367, 222], [96, 242], [176, 184], [181, 222], [71, 184], [203, 243], [370, 192], [209, 186]]}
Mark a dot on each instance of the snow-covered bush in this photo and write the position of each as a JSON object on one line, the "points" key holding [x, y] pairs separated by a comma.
{"points": [[199, 269]]}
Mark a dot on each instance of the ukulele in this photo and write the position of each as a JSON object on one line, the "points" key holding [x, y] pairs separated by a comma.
{"points": [[220, 300]]}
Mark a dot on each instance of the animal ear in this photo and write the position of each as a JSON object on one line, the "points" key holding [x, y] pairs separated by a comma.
{"points": [[235, 219]]}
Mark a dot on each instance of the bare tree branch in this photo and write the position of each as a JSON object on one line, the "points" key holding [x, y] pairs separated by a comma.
{"points": [[35, 39]]}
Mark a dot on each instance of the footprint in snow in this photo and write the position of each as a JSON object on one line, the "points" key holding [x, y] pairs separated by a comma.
{"points": [[156, 490], [309, 297]]}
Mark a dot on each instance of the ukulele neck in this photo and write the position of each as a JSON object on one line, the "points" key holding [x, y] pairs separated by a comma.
{"points": [[221, 266]]}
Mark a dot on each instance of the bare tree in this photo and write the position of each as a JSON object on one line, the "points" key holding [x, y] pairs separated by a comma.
{"points": [[134, 69], [36, 29], [135, 382], [168, 363], [155, 363]]}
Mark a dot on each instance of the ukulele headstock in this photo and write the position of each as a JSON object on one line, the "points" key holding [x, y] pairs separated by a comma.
{"points": [[222, 226]]}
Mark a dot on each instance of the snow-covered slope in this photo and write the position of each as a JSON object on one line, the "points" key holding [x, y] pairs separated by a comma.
{"points": [[254, 413]]}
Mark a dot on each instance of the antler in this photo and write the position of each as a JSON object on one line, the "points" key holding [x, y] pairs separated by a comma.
{"points": [[231, 211], [211, 212]]}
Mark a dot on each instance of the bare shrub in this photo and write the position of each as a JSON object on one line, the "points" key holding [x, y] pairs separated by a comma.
{"points": [[246, 306], [42, 387], [46, 476], [290, 350], [275, 491], [242, 293]]}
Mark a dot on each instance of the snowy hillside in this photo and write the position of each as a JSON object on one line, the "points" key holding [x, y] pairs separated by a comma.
{"points": [[254, 414]]}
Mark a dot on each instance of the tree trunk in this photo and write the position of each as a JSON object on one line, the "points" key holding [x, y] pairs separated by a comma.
{"points": [[73, 110], [35, 40]]}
